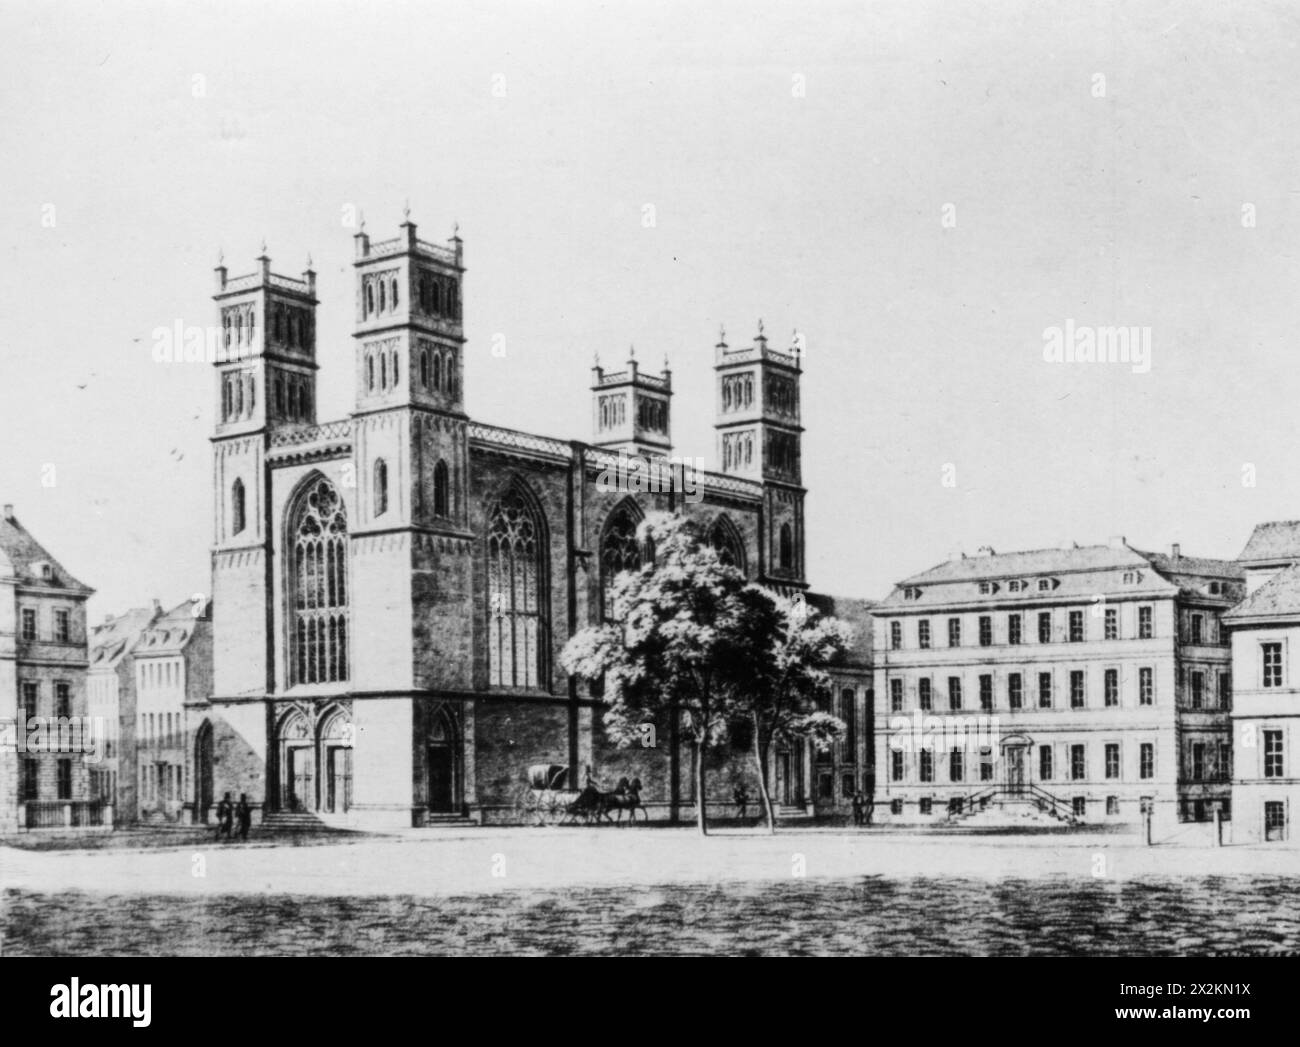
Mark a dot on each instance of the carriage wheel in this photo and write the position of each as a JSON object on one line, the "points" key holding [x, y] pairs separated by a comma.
{"points": [[555, 808], [527, 808]]}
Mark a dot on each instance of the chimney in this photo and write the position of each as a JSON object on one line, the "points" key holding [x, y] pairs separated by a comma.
{"points": [[157, 607], [9, 512], [985, 550], [1176, 551]]}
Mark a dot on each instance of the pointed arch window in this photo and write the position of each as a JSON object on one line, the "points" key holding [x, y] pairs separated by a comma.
{"points": [[237, 520], [619, 551], [726, 541], [318, 587], [381, 487], [437, 371], [517, 594], [786, 559], [441, 490], [424, 368]]}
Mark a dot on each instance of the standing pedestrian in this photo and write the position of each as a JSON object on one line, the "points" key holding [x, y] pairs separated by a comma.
{"points": [[244, 814]]}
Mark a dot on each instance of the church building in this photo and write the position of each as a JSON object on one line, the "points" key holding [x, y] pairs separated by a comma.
{"points": [[392, 590]]}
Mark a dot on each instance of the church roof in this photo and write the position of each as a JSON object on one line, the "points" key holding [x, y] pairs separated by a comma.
{"points": [[23, 556]]}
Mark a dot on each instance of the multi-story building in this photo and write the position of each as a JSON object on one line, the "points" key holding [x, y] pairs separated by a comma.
{"points": [[1091, 682], [172, 666], [110, 687], [1265, 630], [392, 590], [43, 659]]}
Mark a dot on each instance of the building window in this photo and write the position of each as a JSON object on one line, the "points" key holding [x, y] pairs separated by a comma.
{"points": [[927, 765], [1146, 686], [956, 765], [1044, 690], [1225, 690], [29, 623], [954, 693], [1225, 762], [1045, 763], [1273, 754], [1015, 691], [237, 507], [64, 779], [1198, 761], [1013, 628], [1147, 760], [787, 548], [1198, 689], [849, 714], [896, 635], [923, 689], [1112, 759], [923, 633], [1145, 630], [1076, 689], [986, 764], [1112, 805], [30, 785], [1044, 626], [381, 487], [441, 490], [1111, 688], [926, 806], [1198, 628], [986, 692], [62, 632], [319, 586], [1044, 585], [895, 696], [986, 631], [1078, 763], [1272, 654], [30, 694], [895, 766], [1274, 820], [895, 806], [1076, 627], [1112, 623], [954, 632], [517, 594], [62, 699], [619, 552], [1079, 805]]}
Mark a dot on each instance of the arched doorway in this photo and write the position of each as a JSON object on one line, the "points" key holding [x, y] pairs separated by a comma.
{"points": [[297, 764], [203, 771], [336, 761], [443, 763]]}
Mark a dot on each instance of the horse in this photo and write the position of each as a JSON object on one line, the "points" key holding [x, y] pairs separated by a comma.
{"points": [[625, 797]]}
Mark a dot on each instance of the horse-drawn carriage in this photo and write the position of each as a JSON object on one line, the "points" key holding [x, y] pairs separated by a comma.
{"points": [[543, 800]]}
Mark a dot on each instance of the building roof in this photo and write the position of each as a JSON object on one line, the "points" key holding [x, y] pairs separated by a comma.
{"points": [[1078, 572], [112, 640], [21, 555], [170, 632], [1273, 541], [1279, 597]]}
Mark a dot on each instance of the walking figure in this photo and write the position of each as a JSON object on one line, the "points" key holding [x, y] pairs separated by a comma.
{"points": [[741, 797], [857, 807], [225, 814], [244, 815]]}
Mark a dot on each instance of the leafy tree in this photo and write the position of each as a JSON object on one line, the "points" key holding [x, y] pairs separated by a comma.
{"points": [[676, 647]]}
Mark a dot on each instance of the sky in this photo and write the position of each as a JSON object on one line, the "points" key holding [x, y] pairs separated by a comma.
{"points": [[922, 190]]}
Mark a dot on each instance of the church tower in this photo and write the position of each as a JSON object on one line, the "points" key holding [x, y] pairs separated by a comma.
{"points": [[759, 438], [266, 381], [630, 410]]}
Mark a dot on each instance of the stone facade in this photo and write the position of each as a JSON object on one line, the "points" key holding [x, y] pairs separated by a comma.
{"points": [[392, 590]]}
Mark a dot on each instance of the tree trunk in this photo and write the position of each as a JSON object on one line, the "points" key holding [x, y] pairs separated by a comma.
{"points": [[699, 789], [761, 751]]}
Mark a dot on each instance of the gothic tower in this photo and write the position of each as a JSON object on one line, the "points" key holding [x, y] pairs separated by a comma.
{"points": [[759, 438], [410, 446], [266, 382], [630, 410]]}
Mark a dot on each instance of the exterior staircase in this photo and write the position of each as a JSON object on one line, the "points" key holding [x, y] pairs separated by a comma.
{"points": [[1020, 804], [298, 822]]}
